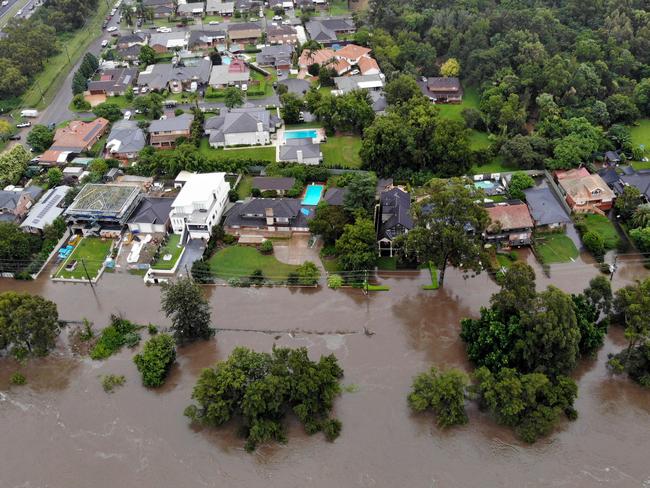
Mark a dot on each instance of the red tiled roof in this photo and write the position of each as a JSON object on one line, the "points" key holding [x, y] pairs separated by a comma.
{"points": [[352, 52], [509, 217], [571, 173], [367, 64]]}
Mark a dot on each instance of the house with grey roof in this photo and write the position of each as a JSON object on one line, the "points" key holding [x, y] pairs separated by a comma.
{"points": [[163, 42], [266, 214], [241, 127], [236, 73], [326, 30], [279, 185], [301, 151], [277, 56], [393, 218], [164, 132], [219, 7], [294, 85], [151, 216], [194, 9], [16, 202], [125, 141], [281, 34], [335, 195], [346, 84], [206, 39], [175, 78], [113, 82], [46, 210], [545, 208], [640, 180]]}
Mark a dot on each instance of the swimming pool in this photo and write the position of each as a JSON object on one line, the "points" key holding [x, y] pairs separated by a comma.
{"points": [[225, 60], [301, 134], [485, 185], [312, 195]]}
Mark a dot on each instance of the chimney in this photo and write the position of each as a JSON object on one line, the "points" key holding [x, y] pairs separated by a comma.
{"points": [[299, 155], [270, 221]]}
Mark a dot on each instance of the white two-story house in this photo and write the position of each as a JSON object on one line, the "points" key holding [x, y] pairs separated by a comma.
{"points": [[200, 205]]}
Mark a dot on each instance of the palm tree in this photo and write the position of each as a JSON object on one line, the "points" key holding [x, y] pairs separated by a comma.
{"points": [[126, 11], [641, 216]]}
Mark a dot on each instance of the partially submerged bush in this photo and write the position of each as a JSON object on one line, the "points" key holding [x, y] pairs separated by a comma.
{"points": [[158, 355], [112, 381]]}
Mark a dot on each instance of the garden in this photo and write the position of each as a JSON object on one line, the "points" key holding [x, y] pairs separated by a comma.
{"points": [[169, 253], [241, 262], [91, 252], [555, 248]]}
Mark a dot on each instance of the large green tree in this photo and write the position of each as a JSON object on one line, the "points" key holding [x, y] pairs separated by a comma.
{"points": [[357, 246], [443, 392], [157, 356], [40, 138], [183, 302], [329, 222]]}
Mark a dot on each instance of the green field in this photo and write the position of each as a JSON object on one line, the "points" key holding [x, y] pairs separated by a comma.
{"points": [[453, 110], [240, 262], [640, 133], [342, 151], [255, 153], [93, 252], [57, 67], [494, 166], [603, 226], [555, 248], [172, 247]]}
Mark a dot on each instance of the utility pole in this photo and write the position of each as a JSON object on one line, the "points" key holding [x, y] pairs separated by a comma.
{"points": [[83, 263]]}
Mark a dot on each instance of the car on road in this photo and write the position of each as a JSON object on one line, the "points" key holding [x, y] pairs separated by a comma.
{"points": [[15, 137], [277, 17], [112, 29], [104, 25], [20, 12], [22, 125], [213, 22], [105, 43], [163, 29], [5, 3]]}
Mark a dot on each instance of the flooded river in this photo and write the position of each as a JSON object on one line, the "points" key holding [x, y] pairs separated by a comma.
{"points": [[63, 430]]}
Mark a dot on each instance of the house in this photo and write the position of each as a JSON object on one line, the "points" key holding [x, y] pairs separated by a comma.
{"points": [[335, 196], [545, 208], [243, 6], [46, 210], [294, 85], [445, 89], [125, 141], [324, 58], [392, 218], [640, 180], [353, 53], [281, 34], [244, 32], [129, 53], [219, 8], [113, 82], [75, 138], [151, 216], [581, 172], [16, 202], [176, 78], [194, 9], [326, 30], [266, 214], [587, 193], [240, 127], [182, 178], [201, 40], [102, 209], [236, 73], [130, 40], [160, 8], [610, 176], [164, 132], [612, 158], [346, 84], [277, 56], [511, 223], [200, 205], [301, 151], [368, 66], [163, 42], [278, 185]]}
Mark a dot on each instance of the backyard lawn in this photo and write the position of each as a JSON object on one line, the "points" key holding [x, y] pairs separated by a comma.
{"points": [[479, 140], [640, 133], [245, 187], [603, 226], [555, 248], [494, 166], [171, 248], [453, 110], [241, 262], [342, 151], [93, 252], [254, 153]]}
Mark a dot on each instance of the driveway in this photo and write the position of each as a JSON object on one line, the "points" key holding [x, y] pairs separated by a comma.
{"points": [[193, 252], [296, 250]]}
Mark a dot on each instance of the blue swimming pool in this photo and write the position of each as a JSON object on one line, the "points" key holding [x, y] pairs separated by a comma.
{"points": [[225, 60], [313, 194], [301, 134], [485, 185]]}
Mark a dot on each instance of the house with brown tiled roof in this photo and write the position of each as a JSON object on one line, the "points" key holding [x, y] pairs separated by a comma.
{"points": [[75, 138], [352, 53], [445, 89], [244, 32], [324, 57], [368, 66], [281, 34], [510, 223], [587, 193]]}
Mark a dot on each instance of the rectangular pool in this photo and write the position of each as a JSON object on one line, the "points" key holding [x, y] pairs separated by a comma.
{"points": [[301, 134], [485, 184], [312, 195]]}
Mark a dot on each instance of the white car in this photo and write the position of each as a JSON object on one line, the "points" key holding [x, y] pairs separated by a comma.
{"points": [[5, 3], [23, 125], [213, 22], [20, 12], [111, 29], [163, 29], [105, 43], [277, 17], [127, 115]]}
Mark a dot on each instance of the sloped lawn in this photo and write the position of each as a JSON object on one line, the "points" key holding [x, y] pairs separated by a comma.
{"points": [[241, 261]]}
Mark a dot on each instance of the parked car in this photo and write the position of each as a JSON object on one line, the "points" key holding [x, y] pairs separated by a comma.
{"points": [[51, 126], [277, 17], [105, 43], [20, 12], [23, 125], [112, 29], [104, 25], [163, 29], [5, 3], [127, 115], [213, 22], [15, 137]]}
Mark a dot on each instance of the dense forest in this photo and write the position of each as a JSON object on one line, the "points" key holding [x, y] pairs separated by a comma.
{"points": [[559, 82]]}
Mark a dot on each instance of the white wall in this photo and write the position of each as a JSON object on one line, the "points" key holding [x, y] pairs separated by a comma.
{"points": [[248, 138]]}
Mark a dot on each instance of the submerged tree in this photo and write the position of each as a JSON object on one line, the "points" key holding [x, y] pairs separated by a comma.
{"points": [[183, 302], [260, 387], [442, 392]]}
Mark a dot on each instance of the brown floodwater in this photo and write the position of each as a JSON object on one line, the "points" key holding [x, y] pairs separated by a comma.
{"points": [[63, 430]]}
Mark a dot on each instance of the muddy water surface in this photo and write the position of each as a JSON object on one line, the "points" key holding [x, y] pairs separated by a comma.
{"points": [[63, 430]]}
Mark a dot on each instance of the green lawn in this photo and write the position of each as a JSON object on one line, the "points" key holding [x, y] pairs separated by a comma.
{"points": [[342, 151], [641, 165], [555, 248], [172, 248], [241, 261], [255, 153], [603, 226], [640, 133], [479, 140], [47, 83], [245, 187], [387, 263], [93, 252], [453, 110], [494, 166]]}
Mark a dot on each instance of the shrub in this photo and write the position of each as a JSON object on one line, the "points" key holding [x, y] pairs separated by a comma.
{"points": [[595, 244], [334, 281], [233, 195], [229, 239], [257, 277], [308, 273], [155, 360], [266, 247], [18, 379], [112, 381], [121, 332], [153, 330], [332, 429], [293, 278]]}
